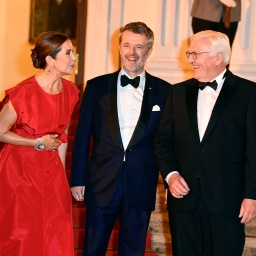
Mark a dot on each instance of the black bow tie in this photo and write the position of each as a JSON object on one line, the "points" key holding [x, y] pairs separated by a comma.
{"points": [[134, 82], [212, 84]]}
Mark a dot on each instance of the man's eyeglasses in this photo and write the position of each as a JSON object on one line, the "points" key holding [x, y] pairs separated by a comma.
{"points": [[194, 54]]}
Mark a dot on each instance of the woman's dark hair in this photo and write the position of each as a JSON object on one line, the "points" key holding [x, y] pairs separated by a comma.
{"points": [[47, 44]]}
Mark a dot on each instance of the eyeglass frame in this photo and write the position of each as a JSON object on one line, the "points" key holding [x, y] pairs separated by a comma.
{"points": [[194, 54]]}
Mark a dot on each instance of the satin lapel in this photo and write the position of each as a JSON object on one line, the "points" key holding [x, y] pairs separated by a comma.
{"points": [[222, 102], [145, 113], [191, 99], [112, 110]]}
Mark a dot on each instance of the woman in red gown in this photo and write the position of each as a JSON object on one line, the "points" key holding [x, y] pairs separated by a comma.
{"points": [[35, 201]]}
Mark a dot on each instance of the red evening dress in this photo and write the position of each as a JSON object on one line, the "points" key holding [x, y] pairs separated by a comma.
{"points": [[35, 199]]}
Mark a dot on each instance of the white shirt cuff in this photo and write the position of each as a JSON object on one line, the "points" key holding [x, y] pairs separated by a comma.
{"points": [[169, 175]]}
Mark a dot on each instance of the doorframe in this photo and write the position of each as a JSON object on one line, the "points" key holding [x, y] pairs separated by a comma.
{"points": [[80, 43]]}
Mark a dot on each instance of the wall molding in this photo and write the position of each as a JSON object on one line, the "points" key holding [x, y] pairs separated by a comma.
{"points": [[171, 22]]}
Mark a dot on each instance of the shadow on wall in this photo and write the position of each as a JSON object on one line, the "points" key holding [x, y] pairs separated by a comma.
{"points": [[114, 50], [183, 60]]}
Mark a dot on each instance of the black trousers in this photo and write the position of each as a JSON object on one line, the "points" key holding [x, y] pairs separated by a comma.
{"points": [[199, 25], [100, 222], [204, 233]]}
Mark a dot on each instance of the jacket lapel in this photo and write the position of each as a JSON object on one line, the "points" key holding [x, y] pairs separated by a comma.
{"points": [[191, 100], [112, 110], [145, 113], [222, 102]]}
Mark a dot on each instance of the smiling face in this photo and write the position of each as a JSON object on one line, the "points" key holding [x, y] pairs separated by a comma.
{"points": [[207, 65], [65, 60], [134, 52]]}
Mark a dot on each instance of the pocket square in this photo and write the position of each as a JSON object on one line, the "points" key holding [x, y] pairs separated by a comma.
{"points": [[156, 108]]}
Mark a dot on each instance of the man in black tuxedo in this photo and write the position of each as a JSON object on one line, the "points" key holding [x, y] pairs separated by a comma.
{"points": [[121, 112], [212, 194]]}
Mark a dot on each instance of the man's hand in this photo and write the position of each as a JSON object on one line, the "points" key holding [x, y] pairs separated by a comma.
{"points": [[248, 211], [178, 186], [78, 192], [228, 3]]}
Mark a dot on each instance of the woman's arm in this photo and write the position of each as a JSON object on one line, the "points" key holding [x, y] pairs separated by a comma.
{"points": [[8, 117]]}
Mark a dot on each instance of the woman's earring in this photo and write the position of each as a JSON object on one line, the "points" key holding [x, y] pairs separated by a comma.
{"points": [[48, 72]]}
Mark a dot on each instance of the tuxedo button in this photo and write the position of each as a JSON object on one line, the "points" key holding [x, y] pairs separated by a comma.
{"points": [[201, 150]]}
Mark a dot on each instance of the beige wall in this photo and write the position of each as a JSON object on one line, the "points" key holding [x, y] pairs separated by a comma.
{"points": [[172, 29], [171, 22], [15, 64]]}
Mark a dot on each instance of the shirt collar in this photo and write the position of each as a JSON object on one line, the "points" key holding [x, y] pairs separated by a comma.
{"points": [[220, 78]]}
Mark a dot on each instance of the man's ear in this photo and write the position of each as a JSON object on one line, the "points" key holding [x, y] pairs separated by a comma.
{"points": [[149, 52], [219, 58]]}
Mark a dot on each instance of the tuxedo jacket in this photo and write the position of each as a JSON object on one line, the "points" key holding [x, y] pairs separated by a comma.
{"points": [[147, 152], [214, 10], [222, 166]]}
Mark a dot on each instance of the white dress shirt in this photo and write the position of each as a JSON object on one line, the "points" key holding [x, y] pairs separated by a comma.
{"points": [[129, 101], [205, 103]]}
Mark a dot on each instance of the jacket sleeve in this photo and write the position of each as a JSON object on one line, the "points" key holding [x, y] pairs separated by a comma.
{"points": [[81, 148], [164, 151], [250, 168]]}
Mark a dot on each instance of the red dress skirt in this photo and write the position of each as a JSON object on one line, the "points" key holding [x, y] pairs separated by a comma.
{"points": [[35, 200]]}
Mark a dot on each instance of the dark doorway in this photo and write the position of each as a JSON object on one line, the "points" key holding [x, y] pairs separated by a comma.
{"points": [[65, 16], [80, 42]]}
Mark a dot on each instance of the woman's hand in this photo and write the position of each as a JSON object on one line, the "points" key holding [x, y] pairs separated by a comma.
{"points": [[51, 141]]}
